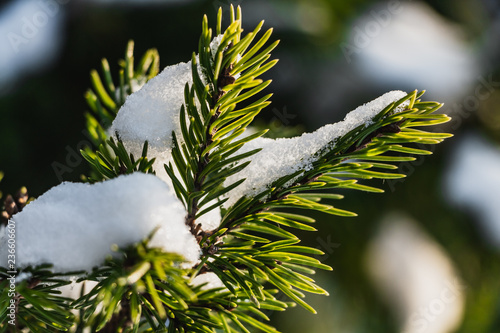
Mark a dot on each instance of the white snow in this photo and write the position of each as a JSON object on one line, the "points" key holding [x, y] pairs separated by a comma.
{"points": [[211, 219], [416, 277], [281, 157], [74, 289], [473, 181], [135, 84], [152, 113], [211, 279], [74, 225], [214, 45], [23, 276]]}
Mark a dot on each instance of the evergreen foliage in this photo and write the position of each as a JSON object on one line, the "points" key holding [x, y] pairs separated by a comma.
{"points": [[104, 100], [254, 251]]}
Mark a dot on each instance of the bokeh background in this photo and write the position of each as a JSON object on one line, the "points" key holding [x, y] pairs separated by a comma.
{"points": [[422, 258]]}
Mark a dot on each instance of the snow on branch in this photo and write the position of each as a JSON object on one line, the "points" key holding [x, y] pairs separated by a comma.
{"points": [[74, 225], [285, 156], [152, 113]]}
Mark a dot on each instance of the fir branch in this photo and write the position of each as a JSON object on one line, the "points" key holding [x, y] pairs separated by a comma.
{"points": [[351, 157], [110, 159], [203, 158], [39, 305], [354, 156]]}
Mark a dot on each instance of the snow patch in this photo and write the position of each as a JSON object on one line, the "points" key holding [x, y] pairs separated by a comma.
{"points": [[214, 45], [152, 113], [74, 225], [211, 279], [281, 157]]}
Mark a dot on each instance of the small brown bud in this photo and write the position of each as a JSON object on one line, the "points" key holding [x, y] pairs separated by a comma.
{"points": [[10, 206]]}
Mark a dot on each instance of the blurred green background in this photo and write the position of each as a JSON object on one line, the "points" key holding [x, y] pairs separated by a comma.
{"points": [[334, 55]]}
